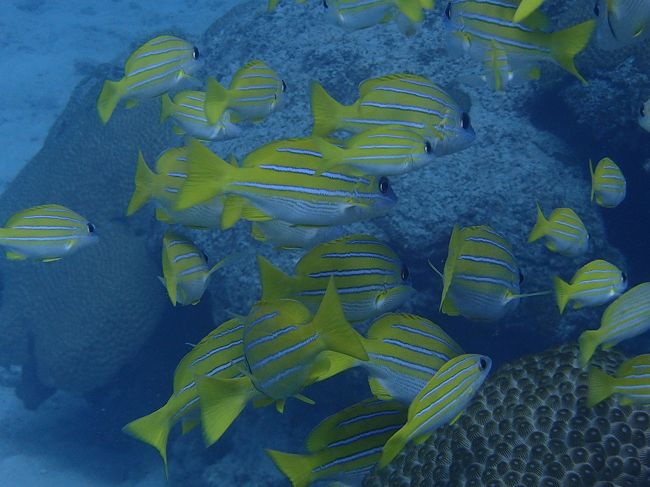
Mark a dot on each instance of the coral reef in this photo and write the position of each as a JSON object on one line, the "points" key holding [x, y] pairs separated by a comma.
{"points": [[530, 425]]}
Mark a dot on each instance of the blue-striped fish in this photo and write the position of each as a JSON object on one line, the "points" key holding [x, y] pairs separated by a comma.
{"points": [[153, 69], [381, 151], [406, 100], [272, 4], [442, 401], [625, 318], [282, 344], [631, 383], [370, 277], [163, 187], [621, 22], [186, 273], [608, 186], [301, 194], [46, 233], [345, 446], [525, 9], [286, 235], [255, 91], [481, 277], [219, 354], [644, 116], [187, 111], [595, 283], [482, 22], [564, 232], [361, 14], [404, 352]]}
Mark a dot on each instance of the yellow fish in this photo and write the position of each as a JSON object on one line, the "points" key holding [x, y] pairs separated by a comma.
{"points": [[564, 232], [632, 383], [608, 186]]}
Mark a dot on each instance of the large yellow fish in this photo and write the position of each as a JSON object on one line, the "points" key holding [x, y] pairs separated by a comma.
{"points": [[153, 69]]}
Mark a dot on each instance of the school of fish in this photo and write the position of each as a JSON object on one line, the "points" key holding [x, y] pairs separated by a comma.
{"points": [[339, 308]]}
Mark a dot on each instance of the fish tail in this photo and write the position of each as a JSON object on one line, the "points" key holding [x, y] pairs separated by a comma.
{"points": [[206, 178], [539, 230], [411, 9], [296, 467], [526, 7], [108, 99], [166, 107], [336, 331], [591, 171], [275, 283], [332, 154], [152, 429], [567, 43], [144, 180], [271, 5], [325, 110], [222, 400], [393, 446], [562, 293], [600, 386], [588, 341], [216, 101]]}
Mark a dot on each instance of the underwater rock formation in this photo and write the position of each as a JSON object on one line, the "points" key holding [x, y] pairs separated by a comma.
{"points": [[530, 425]]}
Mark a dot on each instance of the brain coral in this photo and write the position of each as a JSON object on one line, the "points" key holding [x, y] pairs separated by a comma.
{"points": [[530, 426]]}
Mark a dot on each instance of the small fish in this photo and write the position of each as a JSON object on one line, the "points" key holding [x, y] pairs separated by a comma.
{"points": [[631, 383], [153, 69], [481, 22], [644, 116], [608, 186], [625, 318], [621, 22], [219, 354], [525, 9], [186, 274], [163, 187], [345, 446], [255, 91], [370, 277], [406, 100], [442, 401], [595, 283], [481, 278], [289, 236], [187, 111], [46, 233], [282, 345], [564, 232], [386, 150], [355, 15], [302, 195]]}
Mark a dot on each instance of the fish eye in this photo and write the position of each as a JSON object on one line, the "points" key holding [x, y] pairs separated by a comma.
{"points": [[195, 53], [91, 227], [642, 110], [284, 86], [325, 4], [384, 185], [521, 277], [427, 147], [448, 11], [596, 10], [482, 364], [466, 121], [405, 273]]}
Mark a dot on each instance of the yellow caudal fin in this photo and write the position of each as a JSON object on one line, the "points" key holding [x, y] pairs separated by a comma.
{"points": [[144, 181], [567, 43], [591, 171], [332, 154], [222, 400], [526, 7], [562, 293], [275, 283], [325, 111], [153, 429], [393, 446], [166, 107], [207, 176], [411, 9], [600, 386], [336, 331], [216, 101], [588, 341], [271, 5], [540, 228], [110, 96], [297, 468]]}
